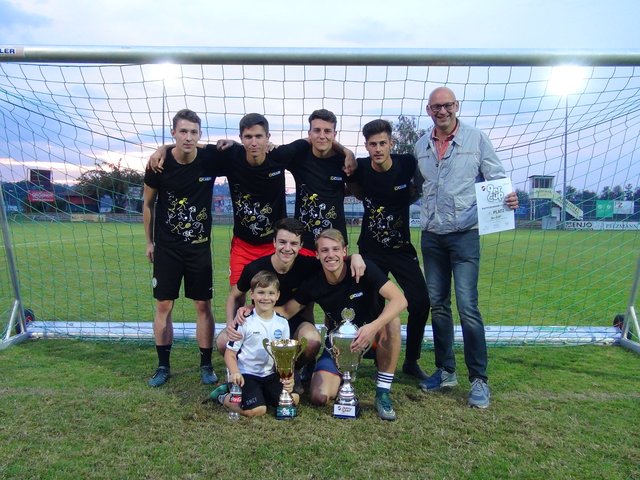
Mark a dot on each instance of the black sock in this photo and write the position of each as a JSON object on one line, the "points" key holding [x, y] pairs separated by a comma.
{"points": [[205, 357], [164, 351]]}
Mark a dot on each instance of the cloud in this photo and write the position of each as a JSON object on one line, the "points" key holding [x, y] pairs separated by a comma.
{"points": [[13, 16]]}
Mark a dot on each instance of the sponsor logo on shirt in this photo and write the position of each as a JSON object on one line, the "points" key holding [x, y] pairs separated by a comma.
{"points": [[335, 178], [204, 179], [278, 334], [355, 295], [400, 187], [275, 174]]}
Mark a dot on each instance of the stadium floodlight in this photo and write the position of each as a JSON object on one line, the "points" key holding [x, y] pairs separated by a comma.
{"points": [[170, 74], [565, 80]]}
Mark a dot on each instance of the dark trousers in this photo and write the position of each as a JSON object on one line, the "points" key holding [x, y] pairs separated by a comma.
{"points": [[405, 268], [455, 254]]}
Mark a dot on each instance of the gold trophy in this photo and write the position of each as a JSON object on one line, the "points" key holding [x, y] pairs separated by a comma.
{"points": [[285, 353], [346, 405]]}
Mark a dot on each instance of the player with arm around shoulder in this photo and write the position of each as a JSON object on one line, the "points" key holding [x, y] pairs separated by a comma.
{"points": [[333, 289]]}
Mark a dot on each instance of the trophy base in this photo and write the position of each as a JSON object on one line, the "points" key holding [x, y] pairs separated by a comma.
{"points": [[286, 413], [346, 411]]}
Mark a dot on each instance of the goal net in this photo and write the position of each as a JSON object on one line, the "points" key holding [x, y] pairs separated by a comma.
{"points": [[77, 131]]}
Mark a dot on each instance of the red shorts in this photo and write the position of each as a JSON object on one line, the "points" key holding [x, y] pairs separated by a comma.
{"points": [[243, 253]]}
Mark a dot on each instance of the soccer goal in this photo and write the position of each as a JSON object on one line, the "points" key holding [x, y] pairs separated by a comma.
{"points": [[77, 126]]}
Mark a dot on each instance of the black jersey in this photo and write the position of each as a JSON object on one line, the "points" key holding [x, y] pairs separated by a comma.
{"points": [[320, 186], [386, 199], [183, 208], [257, 193], [303, 267], [363, 297]]}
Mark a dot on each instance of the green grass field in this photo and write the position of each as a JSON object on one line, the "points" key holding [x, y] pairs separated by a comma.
{"points": [[73, 409], [98, 271], [79, 409]]}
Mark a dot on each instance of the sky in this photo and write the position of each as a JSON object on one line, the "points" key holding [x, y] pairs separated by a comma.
{"points": [[539, 24], [424, 24]]}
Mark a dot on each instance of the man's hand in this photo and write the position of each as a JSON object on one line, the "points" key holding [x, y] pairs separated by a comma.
{"points": [[350, 163], [364, 338], [511, 200], [357, 266], [241, 314], [150, 250], [156, 160], [271, 147], [233, 335], [224, 144]]}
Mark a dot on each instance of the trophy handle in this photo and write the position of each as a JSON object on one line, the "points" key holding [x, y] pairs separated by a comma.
{"points": [[323, 338], [302, 346], [265, 344]]}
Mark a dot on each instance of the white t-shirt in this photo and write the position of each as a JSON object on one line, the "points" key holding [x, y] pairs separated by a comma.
{"points": [[252, 356]]}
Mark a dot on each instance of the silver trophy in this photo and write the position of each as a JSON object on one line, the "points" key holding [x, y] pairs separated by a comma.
{"points": [[346, 405]]}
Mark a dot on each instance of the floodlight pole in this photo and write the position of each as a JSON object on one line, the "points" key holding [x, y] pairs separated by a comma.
{"points": [[164, 99], [563, 215]]}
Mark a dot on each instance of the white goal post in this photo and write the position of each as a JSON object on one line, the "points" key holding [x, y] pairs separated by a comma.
{"points": [[75, 261]]}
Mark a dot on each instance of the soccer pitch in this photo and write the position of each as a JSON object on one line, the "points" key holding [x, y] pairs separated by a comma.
{"points": [[83, 410], [99, 272]]}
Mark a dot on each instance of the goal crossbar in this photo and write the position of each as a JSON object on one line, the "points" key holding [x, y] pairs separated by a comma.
{"points": [[320, 56]]}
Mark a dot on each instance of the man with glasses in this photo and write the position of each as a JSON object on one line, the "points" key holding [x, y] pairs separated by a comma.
{"points": [[452, 158]]}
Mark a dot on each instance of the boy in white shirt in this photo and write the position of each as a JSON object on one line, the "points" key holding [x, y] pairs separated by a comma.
{"points": [[249, 364]]}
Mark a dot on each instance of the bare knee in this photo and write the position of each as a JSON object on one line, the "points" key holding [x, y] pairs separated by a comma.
{"points": [[319, 399], [254, 412]]}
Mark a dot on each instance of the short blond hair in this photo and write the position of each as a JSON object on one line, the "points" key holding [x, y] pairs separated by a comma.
{"points": [[331, 234]]}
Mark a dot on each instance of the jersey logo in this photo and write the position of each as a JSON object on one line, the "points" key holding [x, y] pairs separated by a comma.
{"points": [[399, 187], [355, 295], [277, 334], [334, 178], [204, 179], [275, 174]]}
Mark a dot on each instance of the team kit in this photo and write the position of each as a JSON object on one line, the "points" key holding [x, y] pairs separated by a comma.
{"points": [[281, 267]]}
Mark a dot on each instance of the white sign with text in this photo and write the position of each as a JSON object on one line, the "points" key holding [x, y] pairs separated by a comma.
{"points": [[493, 214]]}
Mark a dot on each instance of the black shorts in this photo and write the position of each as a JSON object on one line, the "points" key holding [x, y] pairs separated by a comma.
{"points": [[305, 315], [260, 391], [191, 262]]}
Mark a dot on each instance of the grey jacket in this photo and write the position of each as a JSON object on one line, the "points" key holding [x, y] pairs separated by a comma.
{"points": [[448, 191]]}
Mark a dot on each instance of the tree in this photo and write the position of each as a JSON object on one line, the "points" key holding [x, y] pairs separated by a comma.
{"points": [[589, 195], [111, 179], [406, 134], [607, 194], [628, 192], [523, 197], [572, 194], [618, 193]]}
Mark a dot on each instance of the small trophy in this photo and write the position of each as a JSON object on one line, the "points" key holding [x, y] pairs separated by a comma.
{"points": [[346, 405], [285, 353]]}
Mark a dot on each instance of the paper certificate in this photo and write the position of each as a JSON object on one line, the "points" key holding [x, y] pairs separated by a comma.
{"points": [[493, 214]]}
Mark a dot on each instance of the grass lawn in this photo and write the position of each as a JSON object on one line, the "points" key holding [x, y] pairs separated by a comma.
{"points": [[77, 409], [98, 271]]}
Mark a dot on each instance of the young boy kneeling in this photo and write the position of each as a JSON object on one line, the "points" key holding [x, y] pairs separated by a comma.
{"points": [[249, 364]]}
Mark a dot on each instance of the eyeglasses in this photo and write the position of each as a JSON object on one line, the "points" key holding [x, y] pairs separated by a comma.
{"points": [[435, 108]]}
